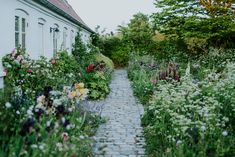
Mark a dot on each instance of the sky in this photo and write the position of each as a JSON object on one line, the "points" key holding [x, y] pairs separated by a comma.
{"points": [[110, 13]]}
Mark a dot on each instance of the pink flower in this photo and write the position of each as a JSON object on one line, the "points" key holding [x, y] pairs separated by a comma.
{"points": [[53, 61], [29, 71], [19, 58], [13, 53], [65, 136], [5, 72]]}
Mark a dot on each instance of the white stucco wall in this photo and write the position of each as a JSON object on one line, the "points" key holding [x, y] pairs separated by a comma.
{"points": [[35, 13]]}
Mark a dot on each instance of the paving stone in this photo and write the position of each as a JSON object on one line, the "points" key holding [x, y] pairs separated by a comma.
{"points": [[122, 134]]}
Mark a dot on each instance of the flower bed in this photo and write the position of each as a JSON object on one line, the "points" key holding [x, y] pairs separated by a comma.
{"points": [[42, 110], [185, 116]]}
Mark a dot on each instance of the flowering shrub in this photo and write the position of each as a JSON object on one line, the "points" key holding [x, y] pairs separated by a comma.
{"points": [[53, 125], [187, 117], [44, 114], [42, 104]]}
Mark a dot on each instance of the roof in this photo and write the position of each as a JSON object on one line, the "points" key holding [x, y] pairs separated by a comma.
{"points": [[63, 8]]}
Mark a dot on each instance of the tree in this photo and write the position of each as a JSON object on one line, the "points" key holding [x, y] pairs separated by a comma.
{"points": [[217, 7], [138, 33], [203, 19], [79, 50]]}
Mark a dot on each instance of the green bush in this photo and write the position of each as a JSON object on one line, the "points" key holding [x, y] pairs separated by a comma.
{"points": [[42, 102], [109, 63], [42, 107], [189, 117]]}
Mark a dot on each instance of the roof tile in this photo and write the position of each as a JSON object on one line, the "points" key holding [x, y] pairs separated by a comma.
{"points": [[67, 8]]}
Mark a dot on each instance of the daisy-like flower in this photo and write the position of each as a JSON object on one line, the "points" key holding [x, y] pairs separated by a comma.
{"points": [[48, 123], [178, 142], [203, 128], [8, 105], [225, 133], [18, 112]]}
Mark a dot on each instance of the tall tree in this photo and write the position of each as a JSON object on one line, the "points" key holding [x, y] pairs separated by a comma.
{"points": [[138, 33], [195, 18], [218, 7]]}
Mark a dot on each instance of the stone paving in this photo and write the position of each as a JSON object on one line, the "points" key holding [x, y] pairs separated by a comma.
{"points": [[122, 134]]}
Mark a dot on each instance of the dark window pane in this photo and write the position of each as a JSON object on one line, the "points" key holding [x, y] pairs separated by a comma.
{"points": [[16, 39], [23, 25], [23, 40], [17, 23]]}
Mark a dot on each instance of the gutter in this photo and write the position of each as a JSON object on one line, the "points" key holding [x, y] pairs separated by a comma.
{"points": [[62, 13]]}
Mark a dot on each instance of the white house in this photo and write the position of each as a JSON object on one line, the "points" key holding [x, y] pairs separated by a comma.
{"points": [[43, 27]]}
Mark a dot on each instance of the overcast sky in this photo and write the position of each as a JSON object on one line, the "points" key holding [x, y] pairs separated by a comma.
{"points": [[110, 13]]}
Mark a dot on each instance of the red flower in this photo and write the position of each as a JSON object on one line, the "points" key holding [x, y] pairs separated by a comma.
{"points": [[53, 61], [29, 71], [90, 68]]}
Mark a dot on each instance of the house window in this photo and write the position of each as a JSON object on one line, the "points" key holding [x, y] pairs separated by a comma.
{"points": [[17, 31], [41, 39], [20, 32], [20, 28], [55, 32], [65, 38], [23, 32]]}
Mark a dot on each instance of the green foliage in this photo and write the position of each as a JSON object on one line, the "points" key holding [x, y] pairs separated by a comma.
{"points": [[139, 34], [79, 48], [116, 49], [41, 119], [188, 21], [42, 103], [100, 57], [98, 84], [190, 117]]}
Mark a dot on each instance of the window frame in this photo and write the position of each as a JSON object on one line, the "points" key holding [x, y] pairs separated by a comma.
{"points": [[65, 35], [21, 30]]}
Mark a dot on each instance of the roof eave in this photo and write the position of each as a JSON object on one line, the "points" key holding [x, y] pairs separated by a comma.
{"points": [[64, 14]]}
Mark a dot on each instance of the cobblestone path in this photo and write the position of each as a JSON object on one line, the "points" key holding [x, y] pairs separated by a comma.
{"points": [[122, 134]]}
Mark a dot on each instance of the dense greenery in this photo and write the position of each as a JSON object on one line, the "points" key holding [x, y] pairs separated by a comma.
{"points": [[43, 105], [186, 83], [189, 107]]}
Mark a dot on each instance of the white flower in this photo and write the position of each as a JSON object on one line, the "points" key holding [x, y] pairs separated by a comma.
{"points": [[225, 133], [48, 123], [34, 146], [41, 146], [8, 105], [41, 99], [59, 146], [203, 128], [29, 112], [82, 137], [70, 109], [68, 127], [57, 102], [63, 120], [178, 142], [17, 112]]}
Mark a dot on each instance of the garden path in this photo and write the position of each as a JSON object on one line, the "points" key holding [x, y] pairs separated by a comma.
{"points": [[122, 134]]}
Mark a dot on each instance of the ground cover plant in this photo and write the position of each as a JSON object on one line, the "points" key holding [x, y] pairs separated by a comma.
{"points": [[185, 116]]}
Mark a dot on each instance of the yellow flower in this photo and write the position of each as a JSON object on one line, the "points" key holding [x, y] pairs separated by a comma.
{"points": [[79, 85], [83, 91], [74, 94]]}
